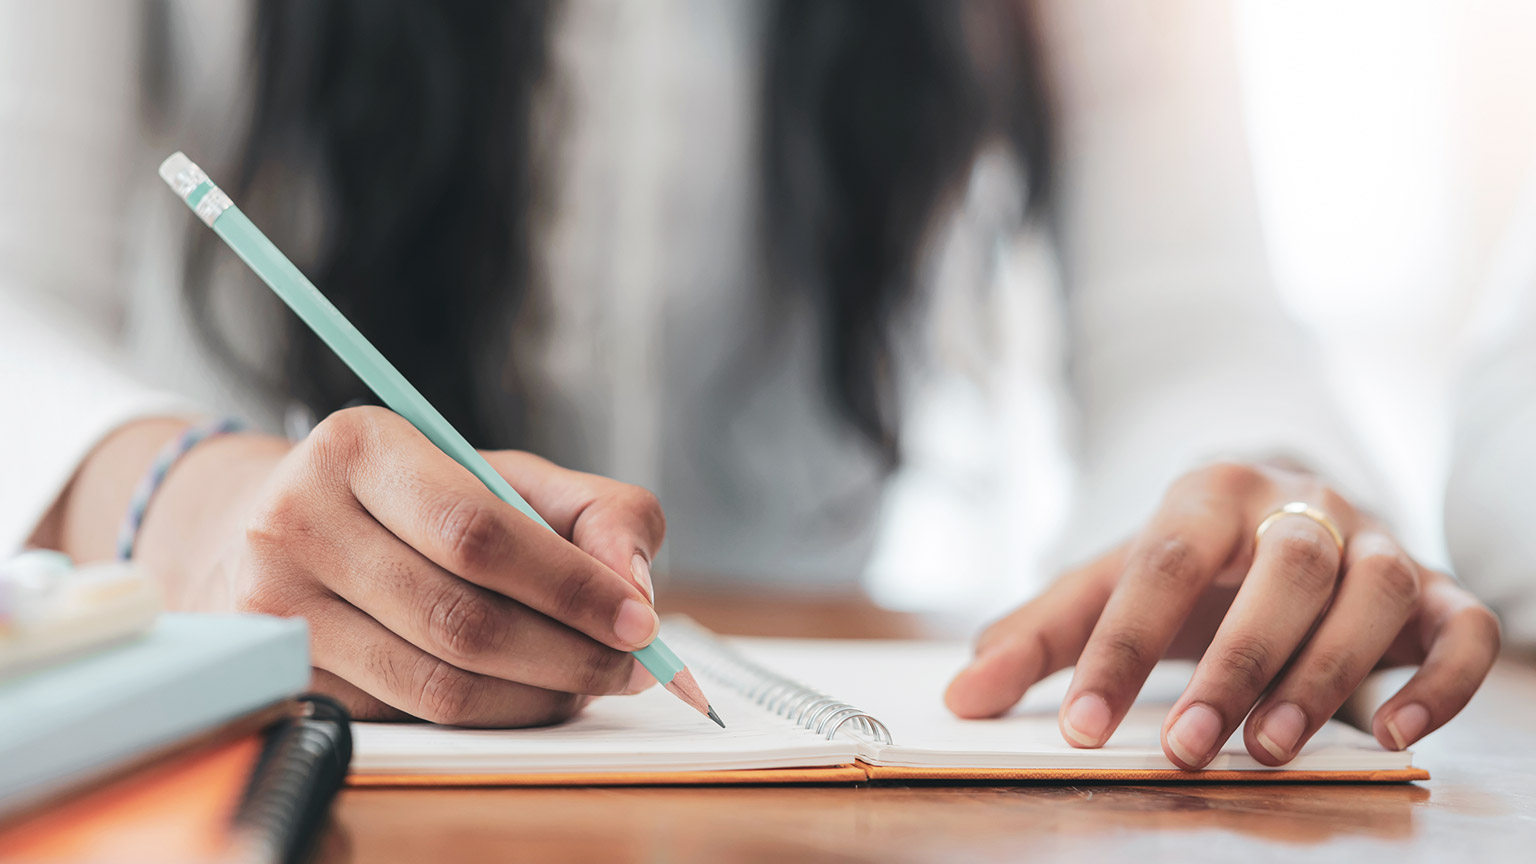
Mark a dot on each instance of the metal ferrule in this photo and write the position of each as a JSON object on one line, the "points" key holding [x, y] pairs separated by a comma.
{"points": [[213, 205]]}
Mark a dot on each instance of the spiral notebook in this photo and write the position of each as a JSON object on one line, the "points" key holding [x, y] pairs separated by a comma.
{"points": [[831, 711]]}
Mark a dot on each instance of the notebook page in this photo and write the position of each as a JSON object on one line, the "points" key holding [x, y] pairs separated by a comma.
{"points": [[902, 683], [651, 731]]}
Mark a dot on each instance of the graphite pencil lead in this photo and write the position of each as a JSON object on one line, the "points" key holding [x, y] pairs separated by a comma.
{"points": [[715, 717]]}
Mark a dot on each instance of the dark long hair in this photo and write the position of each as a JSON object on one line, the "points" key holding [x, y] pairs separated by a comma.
{"points": [[411, 122]]}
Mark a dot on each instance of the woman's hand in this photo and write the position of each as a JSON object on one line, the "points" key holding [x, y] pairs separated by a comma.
{"points": [[425, 594], [1284, 632]]}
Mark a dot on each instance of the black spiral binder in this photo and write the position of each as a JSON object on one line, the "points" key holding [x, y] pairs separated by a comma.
{"points": [[302, 766], [806, 706]]}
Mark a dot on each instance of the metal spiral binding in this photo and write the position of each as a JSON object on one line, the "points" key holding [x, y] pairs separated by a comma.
{"points": [[784, 697]]}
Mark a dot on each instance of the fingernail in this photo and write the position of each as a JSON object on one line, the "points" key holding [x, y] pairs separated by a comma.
{"points": [[1280, 729], [636, 623], [1407, 723], [641, 570], [1193, 735], [1087, 720]]}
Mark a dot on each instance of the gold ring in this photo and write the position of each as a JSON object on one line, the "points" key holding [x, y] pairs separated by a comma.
{"points": [[1301, 508]]}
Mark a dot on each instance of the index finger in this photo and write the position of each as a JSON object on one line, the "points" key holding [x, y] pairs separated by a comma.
{"points": [[437, 507], [1041, 637], [1167, 570]]}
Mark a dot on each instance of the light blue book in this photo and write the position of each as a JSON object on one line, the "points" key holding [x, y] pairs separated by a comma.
{"points": [[64, 724]]}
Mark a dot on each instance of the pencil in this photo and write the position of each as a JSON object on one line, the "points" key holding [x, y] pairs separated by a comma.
{"points": [[218, 212]]}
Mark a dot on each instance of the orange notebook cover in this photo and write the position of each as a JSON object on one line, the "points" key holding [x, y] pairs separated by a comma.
{"points": [[254, 790], [834, 711], [861, 773], [173, 811]]}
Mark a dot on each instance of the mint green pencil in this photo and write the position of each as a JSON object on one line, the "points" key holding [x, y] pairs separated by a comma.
{"points": [[220, 213]]}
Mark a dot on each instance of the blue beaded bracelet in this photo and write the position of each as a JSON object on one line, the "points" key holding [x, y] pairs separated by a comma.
{"points": [[150, 484]]}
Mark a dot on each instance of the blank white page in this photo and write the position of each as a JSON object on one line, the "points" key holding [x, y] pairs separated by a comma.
{"points": [[651, 731], [902, 684]]}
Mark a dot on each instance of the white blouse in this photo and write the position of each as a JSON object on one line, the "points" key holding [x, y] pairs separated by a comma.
{"points": [[1145, 315], [1490, 503]]}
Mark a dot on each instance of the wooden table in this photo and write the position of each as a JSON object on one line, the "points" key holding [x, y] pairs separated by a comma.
{"points": [[1480, 806]]}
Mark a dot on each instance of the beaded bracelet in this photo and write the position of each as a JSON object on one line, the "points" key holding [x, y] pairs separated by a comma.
{"points": [[150, 484]]}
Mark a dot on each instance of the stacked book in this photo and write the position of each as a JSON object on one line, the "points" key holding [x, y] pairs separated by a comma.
{"points": [[101, 694]]}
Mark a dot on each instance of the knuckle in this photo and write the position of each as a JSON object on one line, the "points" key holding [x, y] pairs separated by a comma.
{"points": [[447, 694], [1306, 549], [1308, 562], [463, 624], [345, 435], [1334, 671], [386, 666], [1172, 562], [1129, 650], [1229, 477], [573, 594], [1246, 662], [1394, 576], [471, 535], [606, 670]]}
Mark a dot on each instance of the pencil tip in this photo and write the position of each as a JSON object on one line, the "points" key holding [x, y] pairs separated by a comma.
{"points": [[715, 717], [684, 687]]}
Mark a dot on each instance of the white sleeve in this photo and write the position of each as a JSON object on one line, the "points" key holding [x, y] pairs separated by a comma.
{"points": [[1181, 350], [62, 399], [1490, 503], [68, 104]]}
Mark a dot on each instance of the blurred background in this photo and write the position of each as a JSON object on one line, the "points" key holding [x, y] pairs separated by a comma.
{"points": [[1392, 148], [1394, 154]]}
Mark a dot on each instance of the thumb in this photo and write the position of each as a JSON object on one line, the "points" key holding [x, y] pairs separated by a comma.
{"points": [[624, 530], [1043, 636], [618, 524]]}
